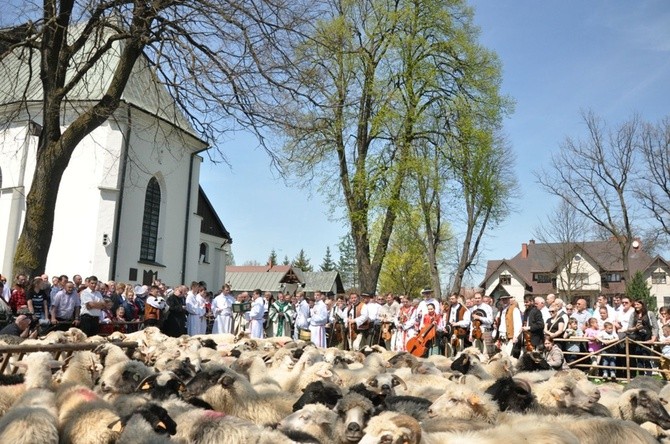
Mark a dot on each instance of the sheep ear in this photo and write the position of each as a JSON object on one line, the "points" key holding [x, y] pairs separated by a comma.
{"points": [[558, 394], [372, 381], [147, 383], [116, 426]]}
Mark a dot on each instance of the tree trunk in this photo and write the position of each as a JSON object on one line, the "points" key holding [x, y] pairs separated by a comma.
{"points": [[32, 248]]}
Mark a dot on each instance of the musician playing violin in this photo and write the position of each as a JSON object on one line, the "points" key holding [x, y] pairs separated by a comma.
{"points": [[533, 324], [357, 317], [458, 318], [485, 345]]}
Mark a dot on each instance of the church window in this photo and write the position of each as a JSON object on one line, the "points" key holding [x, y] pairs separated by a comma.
{"points": [[152, 205], [204, 253]]}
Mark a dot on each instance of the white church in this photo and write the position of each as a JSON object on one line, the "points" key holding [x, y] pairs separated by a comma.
{"points": [[129, 207]]}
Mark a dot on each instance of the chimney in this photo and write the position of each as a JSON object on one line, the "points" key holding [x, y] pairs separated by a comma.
{"points": [[524, 250]]}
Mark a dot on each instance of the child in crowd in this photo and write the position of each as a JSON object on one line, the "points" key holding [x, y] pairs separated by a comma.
{"points": [[572, 347], [664, 337], [591, 333], [607, 336]]}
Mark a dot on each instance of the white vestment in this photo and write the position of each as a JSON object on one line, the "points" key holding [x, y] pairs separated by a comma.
{"points": [[256, 318], [222, 308], [317, 323], [195, 305]]}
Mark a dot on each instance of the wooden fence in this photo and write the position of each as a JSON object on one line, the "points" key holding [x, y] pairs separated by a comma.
{"points": [[623, 348]]}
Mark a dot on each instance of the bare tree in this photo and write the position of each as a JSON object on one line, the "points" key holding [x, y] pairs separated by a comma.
{"points": [[654, 185], [595, 177], [214, 58], [564, 230]]}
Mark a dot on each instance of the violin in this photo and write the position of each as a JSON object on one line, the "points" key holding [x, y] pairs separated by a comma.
{"points": [[477, 324], [417, 345], [526, 341], [386, 331]]}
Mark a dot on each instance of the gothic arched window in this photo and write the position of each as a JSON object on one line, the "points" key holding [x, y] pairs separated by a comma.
{"points": [[152, 210]]}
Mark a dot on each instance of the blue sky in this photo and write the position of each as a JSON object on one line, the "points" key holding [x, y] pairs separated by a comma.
{"points": [[558, 57]]}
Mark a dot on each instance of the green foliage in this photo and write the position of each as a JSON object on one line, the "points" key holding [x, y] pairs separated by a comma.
{"points": [[286, 261], [637, 288], [405, 269], [346, 264], [272, 260], [301, 261], [327, 264]]}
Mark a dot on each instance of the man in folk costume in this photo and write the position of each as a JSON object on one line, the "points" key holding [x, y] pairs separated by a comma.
{"points": [[422, 309], [458, 320], [318, 318], [371, 335], [336, 319], [280, 316], [153, 309], [256, 315], [387, 315], [483, 314], [358, 322], [509, 324], [195, 306], [222, 308], [533, 325], [302, 315], [404, 323]]}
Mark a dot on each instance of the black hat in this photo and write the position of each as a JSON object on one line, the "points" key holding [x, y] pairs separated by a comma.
{"points": [[426, 290]]}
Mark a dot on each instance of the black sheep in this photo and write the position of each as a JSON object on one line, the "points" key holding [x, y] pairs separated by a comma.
{"points": [[413, 406], [462, 363], [511, 394], [319, 392], [376, 398]]}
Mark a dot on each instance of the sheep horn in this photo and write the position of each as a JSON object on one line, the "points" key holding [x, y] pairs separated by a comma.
{"points": [[397, 381]]}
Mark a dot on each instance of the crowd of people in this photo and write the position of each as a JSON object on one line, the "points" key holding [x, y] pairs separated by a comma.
{"points": [[423, 325]]}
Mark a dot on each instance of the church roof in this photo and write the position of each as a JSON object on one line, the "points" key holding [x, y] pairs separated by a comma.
{"points": [[211, 224], [20, 81]]}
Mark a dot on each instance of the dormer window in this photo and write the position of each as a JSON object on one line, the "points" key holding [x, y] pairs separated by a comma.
{"points": [[505, 279]]}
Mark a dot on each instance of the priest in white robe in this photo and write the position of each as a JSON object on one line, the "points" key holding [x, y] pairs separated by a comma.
{"points": [[318, 319], [256, 315], [222, 308]]}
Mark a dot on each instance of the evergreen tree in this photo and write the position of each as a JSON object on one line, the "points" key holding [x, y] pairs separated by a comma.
{"points": [[286, 261], [272, 260], [328, 264], [302, 262], [637, 288], [346, 265]]}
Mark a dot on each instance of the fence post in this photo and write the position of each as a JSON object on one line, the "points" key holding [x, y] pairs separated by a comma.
{"points": [[627, 359]]}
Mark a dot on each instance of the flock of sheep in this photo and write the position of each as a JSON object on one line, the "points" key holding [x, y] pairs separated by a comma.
{"points": [[222, 389]]}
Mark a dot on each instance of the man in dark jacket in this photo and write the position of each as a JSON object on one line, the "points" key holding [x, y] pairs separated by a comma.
{"points": [[175, 322], [533, 324]]}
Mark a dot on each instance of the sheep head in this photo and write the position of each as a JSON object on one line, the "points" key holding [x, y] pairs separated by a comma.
{"points": [[354, 411], [641, 405], [384, 384], [392, 428], [462, 402], [162, 385]]}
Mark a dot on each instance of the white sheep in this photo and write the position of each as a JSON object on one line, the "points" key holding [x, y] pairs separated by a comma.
{"points": [[85, 418], [32, 419], [316, 420], [463, 402], [37, 368]]}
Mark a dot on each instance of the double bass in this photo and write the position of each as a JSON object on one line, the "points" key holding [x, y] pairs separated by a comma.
{"points": [[417, 345]]}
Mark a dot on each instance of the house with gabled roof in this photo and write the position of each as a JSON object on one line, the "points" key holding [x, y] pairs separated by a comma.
{"points": [[129, 205], [274, 278], [571, 270]]}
